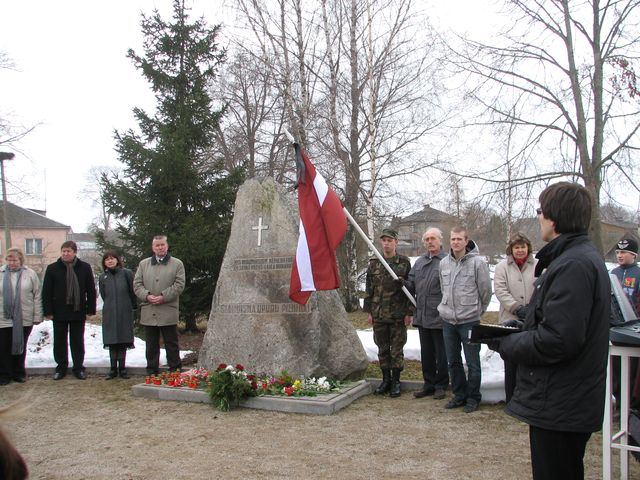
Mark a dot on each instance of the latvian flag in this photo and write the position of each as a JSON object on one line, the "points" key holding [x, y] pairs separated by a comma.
{"points": [[322, 226]]}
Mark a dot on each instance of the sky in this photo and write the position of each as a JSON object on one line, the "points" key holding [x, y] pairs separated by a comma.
{"points": [[73, 82]]}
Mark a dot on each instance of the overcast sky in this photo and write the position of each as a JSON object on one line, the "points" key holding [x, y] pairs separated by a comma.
{"points": [[73, 80]]}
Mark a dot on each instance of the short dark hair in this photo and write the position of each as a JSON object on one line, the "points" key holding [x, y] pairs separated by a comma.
{"points": [[113, 254], [70, 244], [519, 238], [568, 205]]}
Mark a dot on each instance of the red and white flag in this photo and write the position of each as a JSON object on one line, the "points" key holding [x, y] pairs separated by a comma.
{"points": [[322, 226]]}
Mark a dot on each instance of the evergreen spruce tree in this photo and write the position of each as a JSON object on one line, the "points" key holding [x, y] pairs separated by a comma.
{"points": [[170, 184]]}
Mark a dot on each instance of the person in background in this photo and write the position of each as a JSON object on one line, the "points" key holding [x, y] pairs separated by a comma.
{"points": [[466, 293], [116, 289], [628, 271], [562, 350], [424, 283], [390, 311], [20, 310], [158, 283], [513, 285], [68, 297]]}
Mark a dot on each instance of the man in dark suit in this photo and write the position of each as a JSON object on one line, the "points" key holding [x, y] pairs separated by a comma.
{"points": [[68, 296]]}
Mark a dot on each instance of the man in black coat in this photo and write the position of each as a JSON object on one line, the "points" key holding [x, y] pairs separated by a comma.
{"points": [[562, 351], [68, 296]]}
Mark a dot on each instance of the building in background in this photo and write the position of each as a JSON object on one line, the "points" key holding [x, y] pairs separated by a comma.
{"points": [[411, 228], [39, 237]]}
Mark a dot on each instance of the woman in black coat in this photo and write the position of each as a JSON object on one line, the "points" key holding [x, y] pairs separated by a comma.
{"points": [[116, 290]]}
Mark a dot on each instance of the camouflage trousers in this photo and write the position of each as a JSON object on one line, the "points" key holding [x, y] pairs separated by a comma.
{"points": [[390, 339]]}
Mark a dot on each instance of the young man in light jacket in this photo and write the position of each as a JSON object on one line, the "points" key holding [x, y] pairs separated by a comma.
{"points": [[466, 292]]}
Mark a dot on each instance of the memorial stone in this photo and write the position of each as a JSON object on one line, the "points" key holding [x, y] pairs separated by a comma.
{"points": [[252, 320]]}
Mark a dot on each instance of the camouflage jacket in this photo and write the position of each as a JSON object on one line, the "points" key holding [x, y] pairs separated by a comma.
{"points": [[384, 298]]}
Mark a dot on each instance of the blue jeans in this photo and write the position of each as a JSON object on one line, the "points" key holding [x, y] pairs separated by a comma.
{"points": [[464, 388]]}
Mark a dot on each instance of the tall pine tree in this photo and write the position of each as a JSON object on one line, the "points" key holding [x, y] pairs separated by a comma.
{"points": [[170, 184]]}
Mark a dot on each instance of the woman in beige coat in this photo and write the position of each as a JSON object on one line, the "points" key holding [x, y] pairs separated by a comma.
{"points": [[513, 286], [20, 309]]}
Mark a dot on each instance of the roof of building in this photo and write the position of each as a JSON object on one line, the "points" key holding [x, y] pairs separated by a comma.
{"points": [[82, 237], [18, 217], [429, 215]]}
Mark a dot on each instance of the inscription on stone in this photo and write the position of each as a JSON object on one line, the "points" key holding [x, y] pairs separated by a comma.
{"points": [[262, 308], [264, 263]]}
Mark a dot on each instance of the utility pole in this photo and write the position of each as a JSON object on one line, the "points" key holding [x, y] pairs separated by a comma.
{"points": [[7, 234]]}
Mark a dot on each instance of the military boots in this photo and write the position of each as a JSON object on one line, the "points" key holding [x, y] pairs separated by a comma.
{"points": [[385, 385], [395, 382]]}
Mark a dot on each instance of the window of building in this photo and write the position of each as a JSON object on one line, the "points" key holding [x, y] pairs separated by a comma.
{"points": [[33, 246]]}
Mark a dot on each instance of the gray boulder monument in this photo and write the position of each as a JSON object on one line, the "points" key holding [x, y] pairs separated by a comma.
{"points": [[252, 320]]}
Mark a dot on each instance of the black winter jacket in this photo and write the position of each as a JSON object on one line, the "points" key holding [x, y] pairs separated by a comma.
{"points": [[54, 292], [562, 352]]}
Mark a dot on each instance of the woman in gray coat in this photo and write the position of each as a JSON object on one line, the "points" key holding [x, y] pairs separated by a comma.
{"points": [[116, 290], [20, 310]]}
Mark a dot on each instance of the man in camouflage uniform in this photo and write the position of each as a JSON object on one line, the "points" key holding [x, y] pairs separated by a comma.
{"points": [[390, 311]]}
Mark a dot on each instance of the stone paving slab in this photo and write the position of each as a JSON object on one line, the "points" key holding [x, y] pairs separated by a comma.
{"points": [[325, 404]]}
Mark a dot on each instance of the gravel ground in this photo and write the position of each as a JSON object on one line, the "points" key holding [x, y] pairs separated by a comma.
{"points": [[95, 429]]}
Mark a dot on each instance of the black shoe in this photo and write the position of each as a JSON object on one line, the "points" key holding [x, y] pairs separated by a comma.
{"points": [[80, 375], [439, 394], [454, 403], [20, 379], [59, 375], [395, 383], [112, 374], [124, 374], [152, 371], [385, 385], [5, 381], [425, 392], [471, 406]]}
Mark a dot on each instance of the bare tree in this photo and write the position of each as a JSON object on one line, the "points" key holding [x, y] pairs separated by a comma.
{"points": [[571, 62], [250, 135], [92, 192], [354, 82]]}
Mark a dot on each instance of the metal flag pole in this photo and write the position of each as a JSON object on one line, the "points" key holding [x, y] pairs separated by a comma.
{"points": [[366, 239], [377, 254]]}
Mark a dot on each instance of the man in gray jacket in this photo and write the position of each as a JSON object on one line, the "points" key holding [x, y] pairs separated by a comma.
{"points": [[158, 283], [466, 292], [424, 283]]}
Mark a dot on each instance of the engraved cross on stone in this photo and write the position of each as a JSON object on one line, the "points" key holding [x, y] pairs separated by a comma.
{"points": [[259, 228]]}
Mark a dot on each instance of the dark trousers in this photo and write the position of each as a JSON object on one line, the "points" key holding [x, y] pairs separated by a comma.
{"points": [[12, 366], [170, 338], [75, 333], [510, 370], [433, 358], [557, 455]]}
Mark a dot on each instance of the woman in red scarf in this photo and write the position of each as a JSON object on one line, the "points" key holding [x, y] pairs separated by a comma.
{"points": [[513, 286]]}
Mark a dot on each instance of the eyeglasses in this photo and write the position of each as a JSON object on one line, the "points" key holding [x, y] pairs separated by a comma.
{"points": [[539, 211]]}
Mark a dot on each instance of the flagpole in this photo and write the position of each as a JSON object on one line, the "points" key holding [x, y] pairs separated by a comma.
{"points": [[366, 239], [377, 254]]}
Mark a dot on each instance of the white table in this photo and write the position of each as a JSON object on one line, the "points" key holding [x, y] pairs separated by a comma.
{"points": [[620, 439]]}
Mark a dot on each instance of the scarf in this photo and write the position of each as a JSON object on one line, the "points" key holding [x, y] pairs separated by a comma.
{"points": [[520, 261], [12, 306], [73, 288]]}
